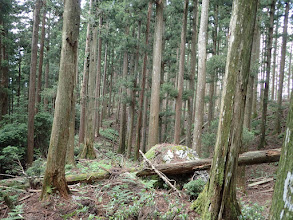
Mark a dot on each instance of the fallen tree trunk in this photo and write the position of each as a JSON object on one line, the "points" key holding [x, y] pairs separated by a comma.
{"points": [[248, 158]]}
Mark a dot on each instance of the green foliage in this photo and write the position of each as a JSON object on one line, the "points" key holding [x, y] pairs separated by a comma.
{"points": [[247, 136], [194, 187], [252, 211], [43, 126], [109, 133], [15, 213], [13, 135], [168, 88], [9, 159], [37, 169]]}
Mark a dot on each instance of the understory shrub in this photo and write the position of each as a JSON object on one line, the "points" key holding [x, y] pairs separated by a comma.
{"points": [[194, 188]]}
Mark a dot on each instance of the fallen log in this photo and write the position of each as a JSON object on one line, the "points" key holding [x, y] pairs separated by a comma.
{"points": [[248, 158]]}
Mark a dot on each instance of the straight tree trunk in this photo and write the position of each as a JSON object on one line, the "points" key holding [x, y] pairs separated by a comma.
{"points": [[98, 81], [192, 74], [145, 119], [218, 199], [178, 108], [104, 107], [41, 58], [282, 204], [88, 148], [123, 122], [282, 69], [83, 91], [267, 79], [3, 74], [201, 79], [153, 135], [289, 74], [274, 60], [254, 100], [46, 86], [213, 75], [142, 86], [54, 179], [32, 85]]}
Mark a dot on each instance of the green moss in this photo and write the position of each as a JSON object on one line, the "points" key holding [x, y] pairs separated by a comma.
{"points": [[199, 204], [151, 153]]}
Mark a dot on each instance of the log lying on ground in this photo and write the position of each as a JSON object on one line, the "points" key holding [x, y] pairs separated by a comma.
{"points": [[248, 158]]}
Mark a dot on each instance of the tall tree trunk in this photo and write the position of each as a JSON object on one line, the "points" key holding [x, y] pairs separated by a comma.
{"points": [[274, 59], [88, 148], [142, 86], [267, 79], [153, 135], [178, 108], [32, 85], [214, 74], [98, 81], [145, 118], [192, 74], [46, 86], [19, 78], [201, 79], [3, 73], [218, 199], [282, 68], [54, 179], [83, 91], [282, 204], [41, 58], [104, 107], [241, 179], [289, 74], [123, 122]]}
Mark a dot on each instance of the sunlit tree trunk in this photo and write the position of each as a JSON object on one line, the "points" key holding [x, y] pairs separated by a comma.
{"points": [[47, 68], [201, 79], [54, 179], [282, 69], [178, 108], [153, 135], [218, 200], [267, 79], [32, 84]]}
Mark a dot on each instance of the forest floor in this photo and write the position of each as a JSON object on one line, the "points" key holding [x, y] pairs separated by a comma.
{"points": [[124, 196]]}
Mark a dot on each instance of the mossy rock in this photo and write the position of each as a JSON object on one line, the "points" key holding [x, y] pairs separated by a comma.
{"points": [[170, 153]]}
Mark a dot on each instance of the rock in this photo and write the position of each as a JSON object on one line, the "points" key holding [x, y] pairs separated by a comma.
{"points": [[171, 153]]}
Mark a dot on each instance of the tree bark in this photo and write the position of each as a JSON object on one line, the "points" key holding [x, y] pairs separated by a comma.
{"points": [[88, 148], [47, 67], [267, 79], [218, 200], [32, 85], [192, 75], [282, 69], [104, 107], [153, 135], [54, 179], [201, 79], [123, 122], [41, 58], [83, 91], [178, 108], [282, 203], [142, 86], [274, 60], [98, 81]]}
